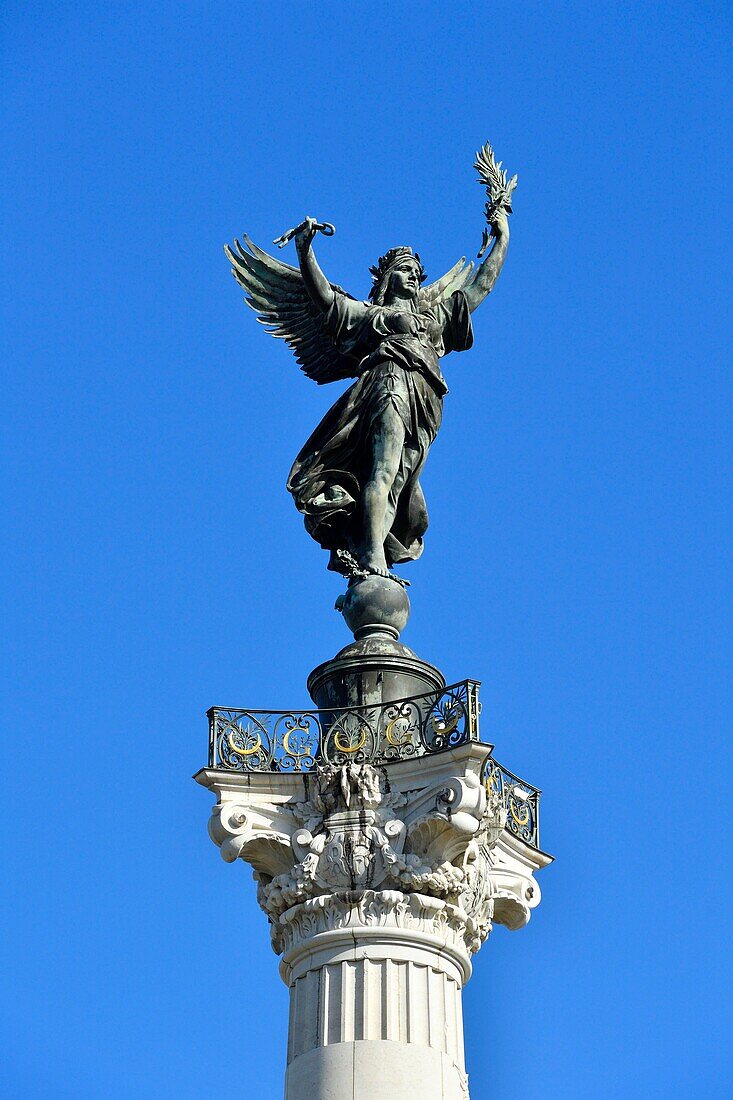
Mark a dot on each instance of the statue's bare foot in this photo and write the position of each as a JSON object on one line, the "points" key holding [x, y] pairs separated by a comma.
{"points": [[375, 564], [365, 567]]}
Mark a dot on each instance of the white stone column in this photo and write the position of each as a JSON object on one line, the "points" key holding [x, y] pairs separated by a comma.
{"points": [[379, 883], [375, 997]]}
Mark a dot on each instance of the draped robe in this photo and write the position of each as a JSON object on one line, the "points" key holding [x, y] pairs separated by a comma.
{"points": [[397, 352]]}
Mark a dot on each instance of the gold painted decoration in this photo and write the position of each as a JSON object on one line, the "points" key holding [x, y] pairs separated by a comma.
{"points": [[245, 752], [442, 727], [288, 748], [520, 819], [351, 748], [398, 737], [493, 782]]}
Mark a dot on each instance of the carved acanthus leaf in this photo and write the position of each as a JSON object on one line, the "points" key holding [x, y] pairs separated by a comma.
{"points": [[352, 836]]}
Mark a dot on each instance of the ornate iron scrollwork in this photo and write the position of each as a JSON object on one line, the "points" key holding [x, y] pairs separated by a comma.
{"points": [[448, 722], [301, 740], [349, 737], [297, 741], [242, 741], [520, 800], [400, 730]]}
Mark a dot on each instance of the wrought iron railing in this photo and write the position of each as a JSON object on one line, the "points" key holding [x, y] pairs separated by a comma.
{"points": [[293, 741], [298, 741], [521, 801]]}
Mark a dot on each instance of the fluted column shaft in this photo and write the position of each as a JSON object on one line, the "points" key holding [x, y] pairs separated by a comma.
{"points": [[369, 1016]]}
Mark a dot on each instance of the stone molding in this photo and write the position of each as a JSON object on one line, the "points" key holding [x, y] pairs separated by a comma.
{"points": [[374, 924], [360, 847]]}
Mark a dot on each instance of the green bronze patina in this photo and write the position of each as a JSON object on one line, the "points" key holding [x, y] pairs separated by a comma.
{"points": [[357, 479]]}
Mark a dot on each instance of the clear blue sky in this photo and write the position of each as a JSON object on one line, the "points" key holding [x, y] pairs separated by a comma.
{"points": [[579, 543]]}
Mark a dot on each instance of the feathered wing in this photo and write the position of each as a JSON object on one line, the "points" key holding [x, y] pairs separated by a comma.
{"points": [[455, 279], [277, 294]]}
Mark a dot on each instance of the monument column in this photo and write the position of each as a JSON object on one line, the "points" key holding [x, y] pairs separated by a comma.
{"points": [[385, 838], [380, 882]]}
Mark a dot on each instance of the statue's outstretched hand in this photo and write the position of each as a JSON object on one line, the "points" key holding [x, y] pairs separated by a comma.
{"points": [[305, 233], [499, 223]]}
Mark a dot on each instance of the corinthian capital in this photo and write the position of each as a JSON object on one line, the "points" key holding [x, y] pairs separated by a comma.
{"points": [[432, 828]]}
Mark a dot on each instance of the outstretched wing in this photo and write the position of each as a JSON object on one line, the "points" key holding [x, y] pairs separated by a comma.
{"points": [[277, 294], [455, 279]]}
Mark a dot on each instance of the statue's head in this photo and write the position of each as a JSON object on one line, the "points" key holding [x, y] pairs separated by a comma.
{"points": [[397, 276]]}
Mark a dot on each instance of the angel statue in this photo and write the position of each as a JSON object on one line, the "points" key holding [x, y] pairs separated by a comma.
{"points": [[357, 479]]}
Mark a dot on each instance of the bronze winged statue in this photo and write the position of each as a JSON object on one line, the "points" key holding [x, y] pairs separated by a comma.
{"points": [[357, 479]]}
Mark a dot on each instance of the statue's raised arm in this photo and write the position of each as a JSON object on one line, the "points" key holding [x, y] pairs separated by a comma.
{"points": [[320, 290], [488, 272], [278, 294], [499, 191], [357, 479]]}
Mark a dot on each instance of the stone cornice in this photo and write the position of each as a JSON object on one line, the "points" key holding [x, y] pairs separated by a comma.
{"points": [[424, 831]]}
